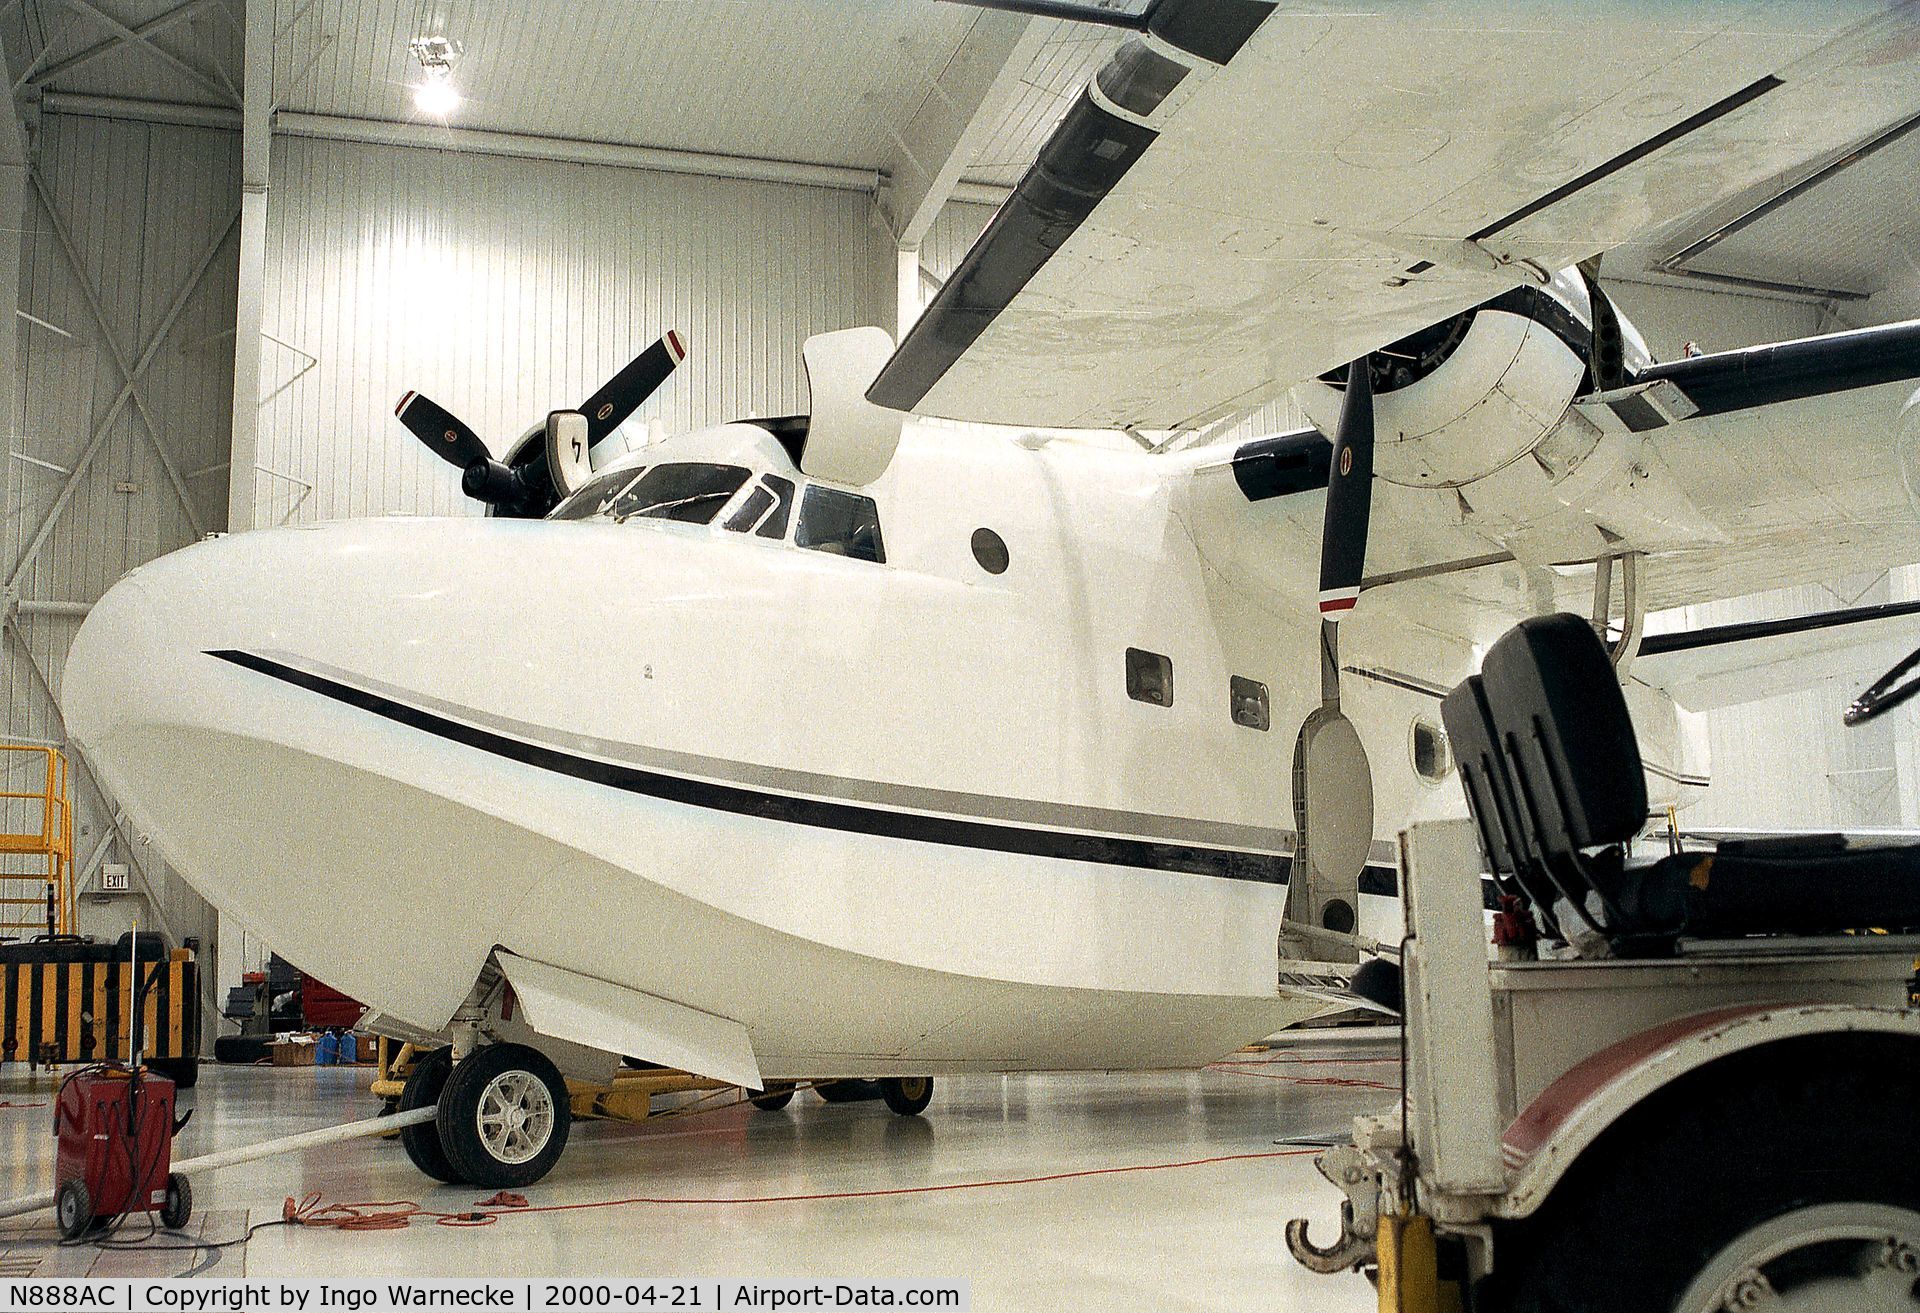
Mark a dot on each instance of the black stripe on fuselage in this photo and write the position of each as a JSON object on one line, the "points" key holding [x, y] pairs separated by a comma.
{"points": [[1751, 630], [1111, 850]]}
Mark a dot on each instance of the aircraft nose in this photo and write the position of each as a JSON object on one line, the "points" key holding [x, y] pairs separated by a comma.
{"points": [[110, 662]]}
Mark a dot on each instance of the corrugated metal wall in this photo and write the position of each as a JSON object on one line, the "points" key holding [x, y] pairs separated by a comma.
{"points": [[955, 229], [505, 288], [148, 210]]}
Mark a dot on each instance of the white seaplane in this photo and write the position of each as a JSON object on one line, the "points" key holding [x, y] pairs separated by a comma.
{"points": [[869, 744]]}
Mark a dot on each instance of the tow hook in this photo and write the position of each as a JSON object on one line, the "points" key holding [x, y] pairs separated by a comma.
{"points": [[1348, 1169]]}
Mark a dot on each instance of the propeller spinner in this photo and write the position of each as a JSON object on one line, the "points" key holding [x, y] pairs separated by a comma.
{"points": [[528, 487]]}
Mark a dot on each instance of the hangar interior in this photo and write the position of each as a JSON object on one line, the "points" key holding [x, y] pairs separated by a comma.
{"points": [[241, 238]]}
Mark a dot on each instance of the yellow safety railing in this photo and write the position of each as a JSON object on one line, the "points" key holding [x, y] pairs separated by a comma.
{"points": [[49, 908]]}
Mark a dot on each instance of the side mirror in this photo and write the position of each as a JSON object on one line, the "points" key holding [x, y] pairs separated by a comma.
{"points": [[567, 444]]}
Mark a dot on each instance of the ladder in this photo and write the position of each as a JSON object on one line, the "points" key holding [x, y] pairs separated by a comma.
{"points": [[36, 860]]}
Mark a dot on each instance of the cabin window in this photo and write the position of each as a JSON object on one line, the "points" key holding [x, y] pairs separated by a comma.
{"points": [[690, 492], [597, 495], [1248, 699], [990, 551], [843, 523], [1432, 753], [1149, 677]]}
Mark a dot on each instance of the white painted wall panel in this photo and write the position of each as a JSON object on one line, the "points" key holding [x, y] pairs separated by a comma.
{"points": [[505, 288]]}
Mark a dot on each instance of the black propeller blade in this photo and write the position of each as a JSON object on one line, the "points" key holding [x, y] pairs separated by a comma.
{"points": [[622, 394], [1343, 540], [527, 487], [444, 432]]}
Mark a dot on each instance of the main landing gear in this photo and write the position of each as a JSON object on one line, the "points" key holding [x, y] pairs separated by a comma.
{"points": [[906, 1095]]}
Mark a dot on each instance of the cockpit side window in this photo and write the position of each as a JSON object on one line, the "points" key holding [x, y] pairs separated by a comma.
{"points": [[750, 510], [772, 498], [775, 525], [843, 523], [597, 496]]}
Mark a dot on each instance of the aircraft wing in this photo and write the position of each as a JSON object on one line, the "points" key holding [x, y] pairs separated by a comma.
{"points": [[1250, 196], [1727, 665], [1786, 493]]}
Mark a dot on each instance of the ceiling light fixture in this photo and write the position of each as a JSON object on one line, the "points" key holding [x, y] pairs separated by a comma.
{"points": [[435, 94]]}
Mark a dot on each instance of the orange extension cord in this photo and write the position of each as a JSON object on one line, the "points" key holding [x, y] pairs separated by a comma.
{"points": [[1252, 1067], [391, 1214]]}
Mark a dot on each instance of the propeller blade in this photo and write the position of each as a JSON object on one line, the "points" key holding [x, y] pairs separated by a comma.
{"points": [[1343, 539], [444, 433], [622, 394]]}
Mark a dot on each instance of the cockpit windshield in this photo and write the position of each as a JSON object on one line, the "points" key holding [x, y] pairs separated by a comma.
{"points": [[691, 492]]}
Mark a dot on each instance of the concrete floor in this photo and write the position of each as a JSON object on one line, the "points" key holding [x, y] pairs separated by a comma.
{"points": [[1206, 1236]]}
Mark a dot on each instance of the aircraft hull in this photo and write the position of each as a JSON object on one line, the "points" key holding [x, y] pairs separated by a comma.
{"points": [[389, 840]]}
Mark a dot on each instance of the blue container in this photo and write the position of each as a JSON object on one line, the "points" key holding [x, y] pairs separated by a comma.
{"points": [[327, 1051], [348, 1049]]}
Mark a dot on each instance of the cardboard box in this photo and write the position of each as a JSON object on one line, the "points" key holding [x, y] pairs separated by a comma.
{"points": [[293, 1053]]}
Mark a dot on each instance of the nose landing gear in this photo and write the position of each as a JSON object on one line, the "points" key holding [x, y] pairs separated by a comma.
{"points": [[503, 1117]]}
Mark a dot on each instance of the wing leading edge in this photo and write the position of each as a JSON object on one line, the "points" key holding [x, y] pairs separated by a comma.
{"points": [[1336, 181]]}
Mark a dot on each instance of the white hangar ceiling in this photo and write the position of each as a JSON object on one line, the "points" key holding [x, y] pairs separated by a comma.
{"points": [[844, 83]]}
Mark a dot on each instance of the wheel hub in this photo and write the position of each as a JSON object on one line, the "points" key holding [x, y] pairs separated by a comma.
{"points": [[1832, 1258], [515, 1116]]}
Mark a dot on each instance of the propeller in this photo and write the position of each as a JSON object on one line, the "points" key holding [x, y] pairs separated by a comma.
{"points": [[1333, 790], [1343, 535], [444, 432], [608, 408], [528, 487]]}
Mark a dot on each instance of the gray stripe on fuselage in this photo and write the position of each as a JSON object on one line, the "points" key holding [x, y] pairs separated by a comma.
{"points": [[1025, 811]]}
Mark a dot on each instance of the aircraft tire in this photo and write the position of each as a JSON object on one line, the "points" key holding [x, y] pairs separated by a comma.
{"points": [[504, 1117], [907, 1096], [1794, 1166], [775, 1097], [848, 1091], [422, 1090]]}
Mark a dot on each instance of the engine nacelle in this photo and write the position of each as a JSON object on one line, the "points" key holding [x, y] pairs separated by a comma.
{"points": [[1458, 401]]}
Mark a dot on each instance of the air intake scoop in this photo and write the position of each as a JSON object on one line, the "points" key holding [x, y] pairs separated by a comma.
{"points": [[849, 440]]}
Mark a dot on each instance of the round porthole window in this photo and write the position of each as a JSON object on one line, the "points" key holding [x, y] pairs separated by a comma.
{"points": [[1432, 754], [990, 550]]}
